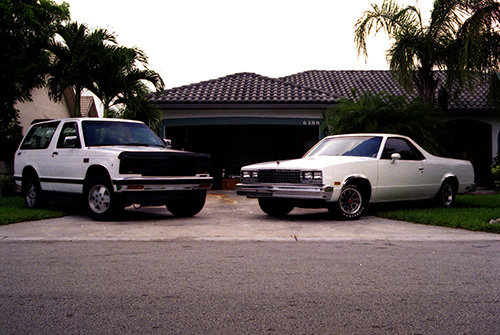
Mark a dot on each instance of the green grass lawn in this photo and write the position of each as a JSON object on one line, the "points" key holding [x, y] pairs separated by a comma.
{"points": [[13, 210], [471, 212]]}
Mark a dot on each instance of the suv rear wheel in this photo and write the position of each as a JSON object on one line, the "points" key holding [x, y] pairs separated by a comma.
{"points": [[32, 193]]}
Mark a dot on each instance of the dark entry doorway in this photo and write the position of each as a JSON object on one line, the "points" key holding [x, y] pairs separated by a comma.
{"points": [[471, 140], [232, 147]]}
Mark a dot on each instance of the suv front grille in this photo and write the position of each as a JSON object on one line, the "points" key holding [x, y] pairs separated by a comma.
{"points": [[279, 176]]}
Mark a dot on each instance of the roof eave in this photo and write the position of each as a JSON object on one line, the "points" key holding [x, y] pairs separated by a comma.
{"points": [[233, 105]]}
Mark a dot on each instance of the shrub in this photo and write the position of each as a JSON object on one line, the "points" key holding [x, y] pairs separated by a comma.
{"points": [[495, 170], [8, 187]]}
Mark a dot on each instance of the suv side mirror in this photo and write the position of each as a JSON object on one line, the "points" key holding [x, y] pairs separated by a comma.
{"points": [[168, 143], [70, 142]]}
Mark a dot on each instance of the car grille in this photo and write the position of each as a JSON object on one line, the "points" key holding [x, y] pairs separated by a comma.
{"points": [[279, 176]]}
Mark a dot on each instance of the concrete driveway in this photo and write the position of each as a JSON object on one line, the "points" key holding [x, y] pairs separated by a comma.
{"points": [[230, 217]]}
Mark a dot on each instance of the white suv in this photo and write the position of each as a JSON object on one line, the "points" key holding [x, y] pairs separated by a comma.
{"points": [[109, 164]]}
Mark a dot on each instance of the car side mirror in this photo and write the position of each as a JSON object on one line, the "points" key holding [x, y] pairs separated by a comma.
{"points": [[70, 142], [394, 157], [168, 143]]}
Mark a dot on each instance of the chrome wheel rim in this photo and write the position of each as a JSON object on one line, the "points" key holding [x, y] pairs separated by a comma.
{"points": [[447, 195], [99, 199], [31, 195], [350, 201]]}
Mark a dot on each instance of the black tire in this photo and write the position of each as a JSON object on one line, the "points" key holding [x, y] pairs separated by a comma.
{"points": [[351, 203], [32, 193], [186, 208], [100, 200], [446, 195], [275, 207]]}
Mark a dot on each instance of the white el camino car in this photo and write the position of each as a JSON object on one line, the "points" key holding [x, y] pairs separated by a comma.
{"points": [[346, 172]]}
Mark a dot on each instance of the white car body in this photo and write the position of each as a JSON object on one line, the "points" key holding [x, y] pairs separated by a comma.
{"points": [[383, 178]]}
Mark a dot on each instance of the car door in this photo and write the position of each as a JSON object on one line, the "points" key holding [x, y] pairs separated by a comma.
{"points": [[401, 177], [67, 160]]}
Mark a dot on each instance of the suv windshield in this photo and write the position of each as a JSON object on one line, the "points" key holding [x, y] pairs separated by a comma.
{"points": [[102, 133], [361, 146]]}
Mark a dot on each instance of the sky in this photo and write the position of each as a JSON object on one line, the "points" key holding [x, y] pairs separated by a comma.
{"points": [[189, 41]]}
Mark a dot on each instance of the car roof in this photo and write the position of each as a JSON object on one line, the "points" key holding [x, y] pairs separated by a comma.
{"points": [[367, 134]]}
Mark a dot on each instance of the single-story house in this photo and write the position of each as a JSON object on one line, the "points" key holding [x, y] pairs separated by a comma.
{"points": [[42, 107], [246, 118]]}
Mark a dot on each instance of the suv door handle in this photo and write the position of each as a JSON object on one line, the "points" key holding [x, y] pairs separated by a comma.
{"points": [[55, 153]]}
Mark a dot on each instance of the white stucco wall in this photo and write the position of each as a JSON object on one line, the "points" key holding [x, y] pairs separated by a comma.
{"points": [[41, 108]]}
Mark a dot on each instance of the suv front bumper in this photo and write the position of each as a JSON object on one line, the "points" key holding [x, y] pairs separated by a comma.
{"points": [[158, 184]]}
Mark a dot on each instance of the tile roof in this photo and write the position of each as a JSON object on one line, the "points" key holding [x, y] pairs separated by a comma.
{"points": [[243, 88], [342, 83], [304, 87]]}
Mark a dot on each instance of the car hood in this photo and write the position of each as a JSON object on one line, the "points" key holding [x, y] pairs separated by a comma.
{"points": [[312, 163]]}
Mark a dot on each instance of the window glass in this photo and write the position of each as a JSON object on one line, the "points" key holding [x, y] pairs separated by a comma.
{"points": [[102, 133], [69, 136], [402, 147], [361, 146], [39, 136]]}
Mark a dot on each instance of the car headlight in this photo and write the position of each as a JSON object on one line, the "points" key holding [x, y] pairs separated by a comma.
{"points": [[249, 176], [313, 177]]}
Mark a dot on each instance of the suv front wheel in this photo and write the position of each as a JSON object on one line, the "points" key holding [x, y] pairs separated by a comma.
{"points": [[100, 200]]}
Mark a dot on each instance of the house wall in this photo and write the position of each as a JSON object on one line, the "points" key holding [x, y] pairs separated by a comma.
{"points": [[42, 108]]}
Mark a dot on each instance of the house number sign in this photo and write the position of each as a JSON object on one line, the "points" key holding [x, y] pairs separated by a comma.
{"points": [[311, 122]]}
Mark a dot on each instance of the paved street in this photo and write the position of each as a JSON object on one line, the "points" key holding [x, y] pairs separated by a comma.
{"points": [[234, 270]]}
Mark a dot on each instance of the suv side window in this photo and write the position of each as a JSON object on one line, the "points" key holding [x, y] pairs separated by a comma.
{"points": [[39, 136], [69, 136], [401, 146]]}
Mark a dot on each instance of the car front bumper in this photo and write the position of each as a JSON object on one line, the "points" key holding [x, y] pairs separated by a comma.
{"points": [[312, 192]]}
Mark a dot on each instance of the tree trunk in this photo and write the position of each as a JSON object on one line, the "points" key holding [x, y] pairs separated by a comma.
{"points": [[426, 84], [77, 107]]}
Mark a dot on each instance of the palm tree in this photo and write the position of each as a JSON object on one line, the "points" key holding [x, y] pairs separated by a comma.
{"points": [[138, 107], [461, 37], [387, 113], [75, 59], [119, 80]]}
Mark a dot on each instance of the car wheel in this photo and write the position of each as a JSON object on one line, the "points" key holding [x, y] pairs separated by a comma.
{"points": [[32, 193], [351, 203], [275, 207], [186, 207], [100, 200], [446, 195]]}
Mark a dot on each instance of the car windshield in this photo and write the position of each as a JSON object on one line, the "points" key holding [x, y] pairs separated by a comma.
{"points": [[102, 133], [360, 146]]}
